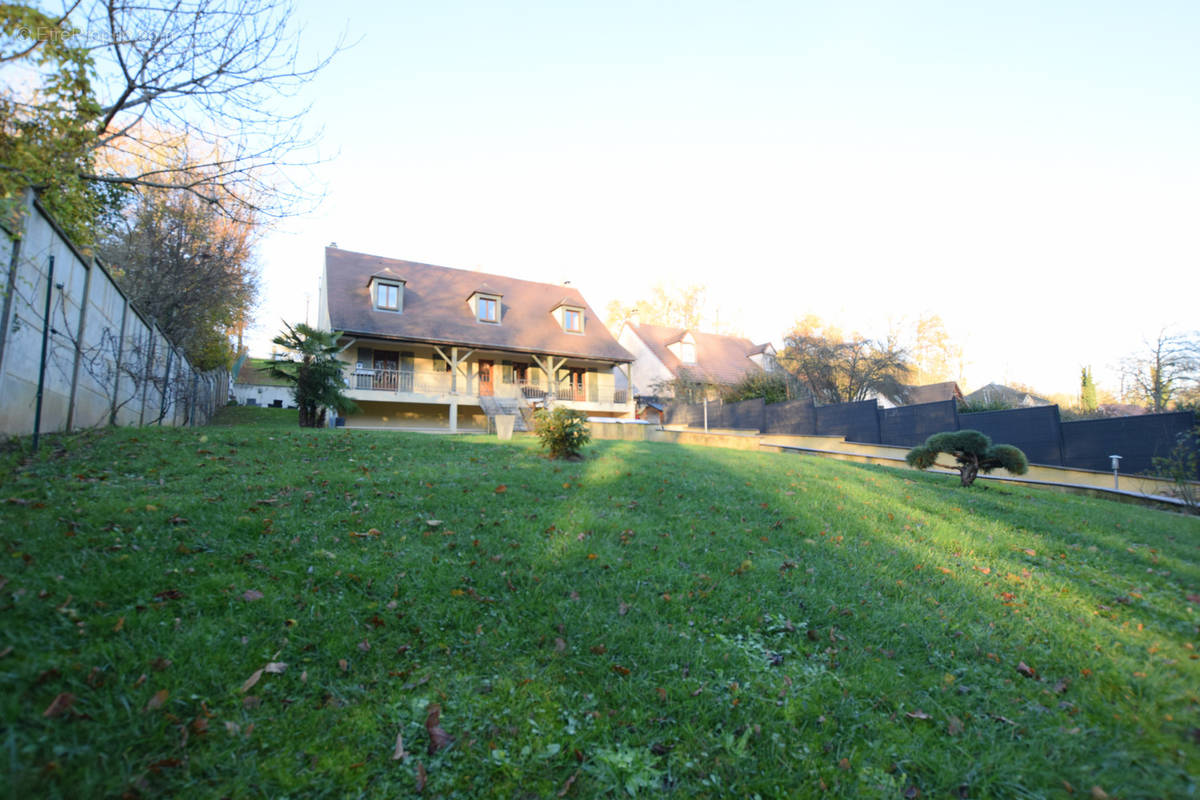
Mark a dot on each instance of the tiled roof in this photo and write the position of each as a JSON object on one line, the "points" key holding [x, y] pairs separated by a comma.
{"points": [[719, 359], [932, 393], [435, 309]]}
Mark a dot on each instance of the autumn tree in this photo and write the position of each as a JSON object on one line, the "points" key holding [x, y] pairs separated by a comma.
{"points": [[187, 266], [95, 76], [935, 356], [1166, 367], [685, 307], [834, 368]]}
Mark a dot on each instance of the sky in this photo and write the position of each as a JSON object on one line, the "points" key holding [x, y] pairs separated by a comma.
{"points": [[1026, 170]]}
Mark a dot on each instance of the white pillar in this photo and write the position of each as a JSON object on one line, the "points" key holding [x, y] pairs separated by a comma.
{"points": [[453, 415]]}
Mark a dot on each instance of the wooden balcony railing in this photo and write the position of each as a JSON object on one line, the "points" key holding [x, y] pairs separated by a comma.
{"points": [[425, 382]]}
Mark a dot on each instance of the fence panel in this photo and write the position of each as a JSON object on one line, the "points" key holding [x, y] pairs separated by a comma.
{"points": [[794, 417], [911, 425], [1035, 430], [858, 422], [103, 361], [1087, 444]]}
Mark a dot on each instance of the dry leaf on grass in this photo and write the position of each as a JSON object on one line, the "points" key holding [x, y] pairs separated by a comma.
{"points": [[157, 700], [59, 705], [253, 679], [438, 738]]}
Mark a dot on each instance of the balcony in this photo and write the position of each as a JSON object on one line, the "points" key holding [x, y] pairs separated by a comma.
{"points": [[431, 386]]}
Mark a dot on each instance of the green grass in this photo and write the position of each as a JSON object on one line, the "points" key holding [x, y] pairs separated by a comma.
{"points": [[655, 619]]}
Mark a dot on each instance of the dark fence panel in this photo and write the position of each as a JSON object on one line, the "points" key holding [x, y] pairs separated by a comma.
{"points": [[1035, 430], [911, 425], [795, 417], [1088, 443], [743, 415], [858, 422]]}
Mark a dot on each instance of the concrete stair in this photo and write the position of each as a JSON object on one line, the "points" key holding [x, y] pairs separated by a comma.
{"points": [[516, 406]]}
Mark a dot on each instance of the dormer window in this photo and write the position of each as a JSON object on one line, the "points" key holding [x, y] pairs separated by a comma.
{"points": [[387, 292], [387, 296], [486, 307], [570, 317], [684, 348]]}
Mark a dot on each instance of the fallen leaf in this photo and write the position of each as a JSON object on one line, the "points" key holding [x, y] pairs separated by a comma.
{"points": [[253, 679], [120, 624], [954, 726], [157, 700], [559, 645], [623, 608], [566, 787], [617, 668], [501, 489], [59, 705], [275, 668], [364, 645], [1029, 552], [251, 701], [918, 714], [438, 738], [399, 753], [252, 594], [844, 764], [421, 777], [343, 664], [1026, 670], [159, 664], [1098, 793]]}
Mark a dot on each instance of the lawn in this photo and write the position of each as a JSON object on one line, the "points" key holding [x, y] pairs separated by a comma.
{"points": [[252, 610]]}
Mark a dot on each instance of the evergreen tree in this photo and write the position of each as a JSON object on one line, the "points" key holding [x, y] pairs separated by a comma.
{"points": [[1087, 390]]}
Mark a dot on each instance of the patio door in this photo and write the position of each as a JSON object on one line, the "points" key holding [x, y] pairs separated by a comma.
{"points": [[485, 378], [385, 370]]}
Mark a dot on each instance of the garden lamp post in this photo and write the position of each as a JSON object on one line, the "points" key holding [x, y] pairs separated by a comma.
{"points": [[1116, 465]]}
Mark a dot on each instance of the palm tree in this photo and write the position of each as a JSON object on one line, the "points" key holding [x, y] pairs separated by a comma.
{"points": [[316, 377]]}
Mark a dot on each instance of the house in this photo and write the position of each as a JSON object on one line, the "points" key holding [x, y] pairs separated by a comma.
{"points": [[254, 385], [439, 348], [663, 354], [926, 393], [997, 394]]}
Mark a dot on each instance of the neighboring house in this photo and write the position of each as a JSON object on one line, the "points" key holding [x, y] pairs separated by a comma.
{"points": [[928, 393], [663, 354], [999, 394], [254, 385], [434, 347]]}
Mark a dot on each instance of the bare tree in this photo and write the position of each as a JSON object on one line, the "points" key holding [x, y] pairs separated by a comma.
{"points": [[1164, 368], [220, 74]]}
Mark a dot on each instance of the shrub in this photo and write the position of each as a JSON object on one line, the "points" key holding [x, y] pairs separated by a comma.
{"points": [[563, 431], [1182, 467], [973, 451], [770, 386]]}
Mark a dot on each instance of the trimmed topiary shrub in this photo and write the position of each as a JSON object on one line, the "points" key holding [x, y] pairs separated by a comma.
{"points": [[563, 431], [973, 451]]}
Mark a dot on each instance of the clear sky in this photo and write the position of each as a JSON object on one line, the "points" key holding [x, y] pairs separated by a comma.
{"points": [[1027, 170]]}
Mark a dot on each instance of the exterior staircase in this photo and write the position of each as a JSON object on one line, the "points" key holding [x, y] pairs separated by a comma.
{"points": [[516, 406]]}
